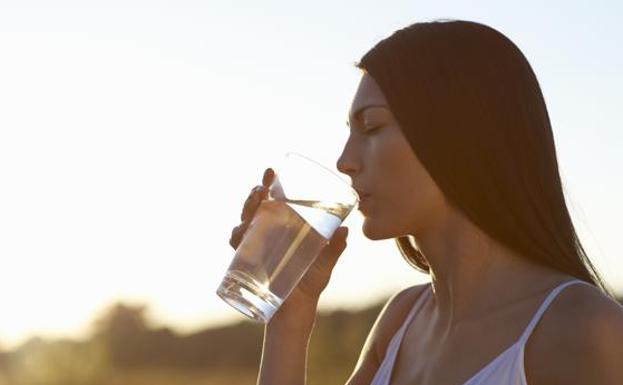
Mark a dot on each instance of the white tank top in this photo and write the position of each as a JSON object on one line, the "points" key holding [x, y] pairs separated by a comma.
{"points": [[507, 368]]}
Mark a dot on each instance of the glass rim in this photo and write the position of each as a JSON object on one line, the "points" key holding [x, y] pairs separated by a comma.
{"points": [[355, 193]]}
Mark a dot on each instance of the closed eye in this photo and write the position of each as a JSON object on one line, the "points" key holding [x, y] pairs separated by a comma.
{"points": [[372, 129]]}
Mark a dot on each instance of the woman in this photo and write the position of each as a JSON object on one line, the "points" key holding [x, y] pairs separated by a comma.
{"points": [[452, 154]]}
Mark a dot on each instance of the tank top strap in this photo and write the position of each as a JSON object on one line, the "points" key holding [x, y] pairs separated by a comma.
{"points": [[539, 313], [416, 306], [394, 344]]}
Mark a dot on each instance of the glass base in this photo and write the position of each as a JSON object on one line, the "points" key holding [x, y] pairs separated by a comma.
{"points": [[247, 296]]}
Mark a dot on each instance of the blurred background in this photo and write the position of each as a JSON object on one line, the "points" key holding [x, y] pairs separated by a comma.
{"points": [[132, 131]]}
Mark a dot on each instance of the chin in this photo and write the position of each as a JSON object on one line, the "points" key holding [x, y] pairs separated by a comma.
{"points": [[375, 232]]}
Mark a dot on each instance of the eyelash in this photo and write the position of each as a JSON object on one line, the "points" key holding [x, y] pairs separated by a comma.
{"points": [[371, 129]]}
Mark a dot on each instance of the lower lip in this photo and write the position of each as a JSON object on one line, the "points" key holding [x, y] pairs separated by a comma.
{"points": [[363, 203]]}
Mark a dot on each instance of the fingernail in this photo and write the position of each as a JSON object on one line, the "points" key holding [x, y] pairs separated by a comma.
{"points": [[268, 175]]}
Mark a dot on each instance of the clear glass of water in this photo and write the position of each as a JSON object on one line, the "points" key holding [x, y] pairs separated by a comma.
{"points": [[306, 203]]}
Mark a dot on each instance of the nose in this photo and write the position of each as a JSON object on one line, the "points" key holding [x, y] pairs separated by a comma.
{"points": [[346, 164]]}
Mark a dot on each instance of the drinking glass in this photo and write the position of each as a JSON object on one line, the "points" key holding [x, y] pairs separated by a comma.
{"points": [[306, 203]]}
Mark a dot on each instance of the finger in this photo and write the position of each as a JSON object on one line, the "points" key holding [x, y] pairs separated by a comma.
{"points": [[236, 234], [267, 181], [332, 251], [339, 237], [251, 204], [268, 177], [340, 234]]}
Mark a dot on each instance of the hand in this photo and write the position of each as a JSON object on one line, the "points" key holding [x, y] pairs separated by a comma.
{"points": [[257, 194]]}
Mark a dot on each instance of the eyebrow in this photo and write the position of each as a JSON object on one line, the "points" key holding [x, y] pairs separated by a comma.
{"points": [[360, 110]]}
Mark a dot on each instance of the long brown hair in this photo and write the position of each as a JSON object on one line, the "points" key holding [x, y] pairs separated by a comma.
{"points": [[472, 110]]}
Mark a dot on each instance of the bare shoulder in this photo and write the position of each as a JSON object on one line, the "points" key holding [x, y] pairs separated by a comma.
{"points": [[579, 340], [388, 321], [397, 308], [391, 317]]}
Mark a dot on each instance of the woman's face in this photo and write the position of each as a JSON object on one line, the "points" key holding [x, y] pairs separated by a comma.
{"points": [[398, 196]]}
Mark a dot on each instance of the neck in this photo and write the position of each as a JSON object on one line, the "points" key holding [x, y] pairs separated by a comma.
{"points": [[473, 276]]}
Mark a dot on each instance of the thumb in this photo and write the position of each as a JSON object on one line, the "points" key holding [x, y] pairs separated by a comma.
{"points": [[335, 247], [340, 234]]}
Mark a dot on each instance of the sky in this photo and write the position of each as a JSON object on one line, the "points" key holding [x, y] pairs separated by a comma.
{"points": [[131, 133]]}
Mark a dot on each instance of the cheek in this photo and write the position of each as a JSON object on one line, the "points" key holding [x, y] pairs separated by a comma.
{"points": [[395, 178], [408, 198], [399, 172]]}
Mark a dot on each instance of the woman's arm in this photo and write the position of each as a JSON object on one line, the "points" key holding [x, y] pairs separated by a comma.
{"points": [[286, 341], [593, 352], [579, 341], [284, 353]]}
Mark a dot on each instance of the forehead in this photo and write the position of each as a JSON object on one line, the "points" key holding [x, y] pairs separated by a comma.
{"points": [[368, 94]]}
